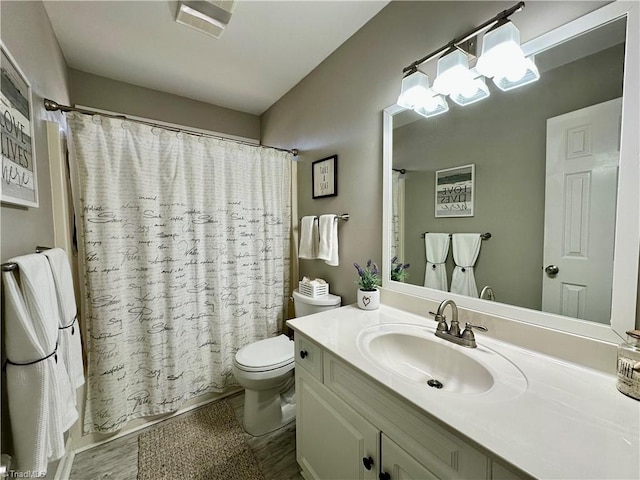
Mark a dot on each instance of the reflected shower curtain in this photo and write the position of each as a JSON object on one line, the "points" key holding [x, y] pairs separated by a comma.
{"points": [[397, 215], [185, 248]]}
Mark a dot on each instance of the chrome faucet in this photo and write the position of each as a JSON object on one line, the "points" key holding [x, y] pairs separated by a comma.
{"points": [[487, 293], [452, 333]]}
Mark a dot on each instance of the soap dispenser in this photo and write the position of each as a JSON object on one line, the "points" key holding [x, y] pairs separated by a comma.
{"points": [[629, 366]]}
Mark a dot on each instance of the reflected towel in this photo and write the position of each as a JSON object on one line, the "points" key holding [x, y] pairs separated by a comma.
{"points": [[466, 248], [328, 249], [70, 346], [308, 238], [436, 250]]}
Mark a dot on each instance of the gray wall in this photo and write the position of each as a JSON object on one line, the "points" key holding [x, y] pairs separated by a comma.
{"points": [[27, 34], [107, 94], [337, 109], [510, 171]]}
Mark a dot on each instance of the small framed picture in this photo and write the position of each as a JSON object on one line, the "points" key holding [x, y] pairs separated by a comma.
{"points": [[324, 177], [455, 191], [19, 180]]}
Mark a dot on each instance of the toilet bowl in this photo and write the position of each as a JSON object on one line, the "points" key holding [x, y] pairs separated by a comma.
{"points": [[265, 370]]}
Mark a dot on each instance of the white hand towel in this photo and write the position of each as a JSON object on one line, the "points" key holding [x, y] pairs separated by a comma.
{"points": [[328, 250], [466, 248], [436, 249], [70, 346], [40, 407], [308, 238]]}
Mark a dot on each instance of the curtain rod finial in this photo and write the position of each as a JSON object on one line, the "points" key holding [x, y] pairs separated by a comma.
{"points": [[51, 105], [294, 152]]}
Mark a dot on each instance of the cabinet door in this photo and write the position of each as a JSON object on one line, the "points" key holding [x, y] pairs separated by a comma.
{"points": [[332, 439], [397, 464]]}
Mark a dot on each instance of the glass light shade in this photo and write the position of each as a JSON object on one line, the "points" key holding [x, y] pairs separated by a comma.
{"points": [[521, 74], [473, 92], [456, 80], [415, 90], [500, 51], [436, 105]]}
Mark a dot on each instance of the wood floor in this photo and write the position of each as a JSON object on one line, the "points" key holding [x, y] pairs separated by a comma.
{"points": [[118, 459]]}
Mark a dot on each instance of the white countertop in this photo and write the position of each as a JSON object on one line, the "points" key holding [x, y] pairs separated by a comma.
{"points": [[568, 421]]}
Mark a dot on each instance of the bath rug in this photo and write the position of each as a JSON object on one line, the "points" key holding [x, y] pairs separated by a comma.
{"points": [[207, 444]]}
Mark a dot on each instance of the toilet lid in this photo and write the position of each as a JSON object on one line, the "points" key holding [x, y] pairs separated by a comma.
{"points": [[266, 354]]}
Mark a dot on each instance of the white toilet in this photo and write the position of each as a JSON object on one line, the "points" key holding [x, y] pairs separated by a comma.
{"points": [[265, 370]]}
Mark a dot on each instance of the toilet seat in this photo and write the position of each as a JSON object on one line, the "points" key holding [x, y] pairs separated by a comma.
{"points": [[268, 354]]}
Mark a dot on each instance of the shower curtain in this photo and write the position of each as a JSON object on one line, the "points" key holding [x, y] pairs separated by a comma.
{"points": [[185, 248], [397, 216]]}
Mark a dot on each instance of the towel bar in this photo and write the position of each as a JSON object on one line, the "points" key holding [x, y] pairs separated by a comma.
{"points": [[10, 266], [483, 236], [344, 216]]}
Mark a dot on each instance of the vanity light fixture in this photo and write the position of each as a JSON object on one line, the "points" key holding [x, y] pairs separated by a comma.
{"points": [[456, 80], [417, 95], [466, 85], [503, 60]]}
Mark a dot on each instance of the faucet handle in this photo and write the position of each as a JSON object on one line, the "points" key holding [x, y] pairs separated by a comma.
{"points": [[442, 321], [469, 326], [467, 335]]}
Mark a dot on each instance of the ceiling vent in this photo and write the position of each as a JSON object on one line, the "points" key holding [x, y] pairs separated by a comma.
{"points": [[210, 17]]}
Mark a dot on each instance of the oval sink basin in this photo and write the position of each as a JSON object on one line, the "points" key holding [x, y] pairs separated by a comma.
{"points": [[414, 353]]}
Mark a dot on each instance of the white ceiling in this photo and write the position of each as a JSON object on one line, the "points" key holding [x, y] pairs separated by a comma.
{"points": [[268, 47]]}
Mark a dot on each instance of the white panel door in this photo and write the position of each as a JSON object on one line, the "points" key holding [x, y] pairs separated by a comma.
{"points": [[332, 439], [583, 153]]}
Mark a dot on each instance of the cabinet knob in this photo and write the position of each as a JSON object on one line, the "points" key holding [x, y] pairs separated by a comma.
{"points": [[303, 353], [368, 462], [384, 476]]}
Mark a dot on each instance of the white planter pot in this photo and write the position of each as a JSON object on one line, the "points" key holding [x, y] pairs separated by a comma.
{"points": [[368, 300]]}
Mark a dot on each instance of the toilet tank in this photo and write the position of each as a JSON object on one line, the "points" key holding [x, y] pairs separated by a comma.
{"points": [[305, 305]]}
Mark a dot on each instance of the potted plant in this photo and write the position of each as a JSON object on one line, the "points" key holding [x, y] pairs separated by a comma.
{"points": [[398, 270], [368, 283]]}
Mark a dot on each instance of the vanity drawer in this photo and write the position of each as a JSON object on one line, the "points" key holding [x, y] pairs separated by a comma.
{"points": [[442, 452], [308, 355]]}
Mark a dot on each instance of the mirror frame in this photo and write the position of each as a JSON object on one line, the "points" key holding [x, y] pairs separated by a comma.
{"points": [[627, 230]]}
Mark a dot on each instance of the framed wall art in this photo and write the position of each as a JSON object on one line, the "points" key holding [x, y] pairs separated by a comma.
{"points": [[324, 177], [19, 180], [455, 191]]}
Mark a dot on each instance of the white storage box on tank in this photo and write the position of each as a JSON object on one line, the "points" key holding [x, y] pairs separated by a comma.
{"points": [[314, 291]]}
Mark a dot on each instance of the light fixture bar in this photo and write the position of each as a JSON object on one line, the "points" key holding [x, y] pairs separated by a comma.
{"points": [[466, 36]]}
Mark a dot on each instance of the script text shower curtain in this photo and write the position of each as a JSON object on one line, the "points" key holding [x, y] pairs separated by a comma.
{"points": [[185, 246]]}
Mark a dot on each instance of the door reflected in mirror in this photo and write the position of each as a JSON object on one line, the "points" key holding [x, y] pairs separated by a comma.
{"points": [[546, 161]]}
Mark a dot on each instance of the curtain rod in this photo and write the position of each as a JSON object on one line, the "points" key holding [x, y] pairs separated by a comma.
{"points": [[52, 106]]}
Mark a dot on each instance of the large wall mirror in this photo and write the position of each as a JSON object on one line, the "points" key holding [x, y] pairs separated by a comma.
{"points": [[553, 168]]}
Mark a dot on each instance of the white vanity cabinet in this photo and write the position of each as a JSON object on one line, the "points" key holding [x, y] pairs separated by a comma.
{"points": [[347, 422], [332, 439]]}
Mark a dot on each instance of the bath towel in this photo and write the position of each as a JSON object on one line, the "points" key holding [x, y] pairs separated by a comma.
{"points": [[69, 344], [38, 389], [436, 249], [308, 238], [466, 248], [328, 250]]}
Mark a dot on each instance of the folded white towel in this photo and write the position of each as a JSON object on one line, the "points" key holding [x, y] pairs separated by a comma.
{"points": [[436, 250], [70, 346], [308, 238], [328, 250], [40, 407]]}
